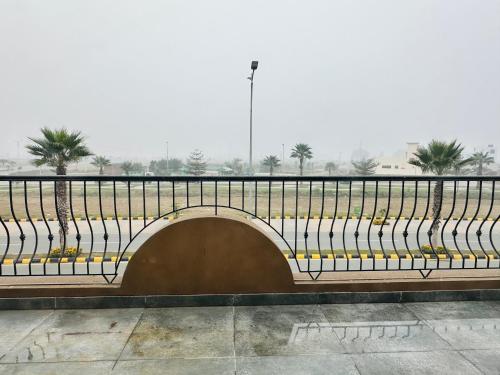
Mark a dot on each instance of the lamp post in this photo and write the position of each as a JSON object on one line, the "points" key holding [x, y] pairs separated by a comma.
{"points": [[253, 66], [167, 159], [282, 156]]}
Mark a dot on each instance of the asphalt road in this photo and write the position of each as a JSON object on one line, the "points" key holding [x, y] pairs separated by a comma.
{"points": [[317, 232]]}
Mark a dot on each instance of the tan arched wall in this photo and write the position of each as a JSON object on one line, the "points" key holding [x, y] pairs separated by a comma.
{"points": [[208, 255]]}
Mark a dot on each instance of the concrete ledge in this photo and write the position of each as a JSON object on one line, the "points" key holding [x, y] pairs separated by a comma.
{"points": [[105, 302]]}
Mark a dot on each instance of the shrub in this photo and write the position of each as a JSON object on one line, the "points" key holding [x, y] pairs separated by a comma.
{"points": [[427, 249], [55, 252], [70, 252]]}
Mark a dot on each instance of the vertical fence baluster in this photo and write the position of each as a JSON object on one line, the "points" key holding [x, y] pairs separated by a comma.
{"points": [[201, 193], [422, 222], [296, 215], [173, 196], [356, 232], [216, 201], [7, 243], [78, 236], [472, 221], [306, 234], [26, 205], [243, 196], [144, 212], [118, 228], [90, 224], [479, 232], [129, 203], [319, 225], [396, 223], [334, 217], [491, 236], [450, 217], [269, 204], [405, 232], [22, 236], [371, 223], [105, 236], [256, 199], [158, 199], [349, 200], [50, 236], [381, 231], [455, 231]]}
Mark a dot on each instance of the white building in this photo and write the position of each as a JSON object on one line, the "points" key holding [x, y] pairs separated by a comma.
{"points": [[397, 164]]}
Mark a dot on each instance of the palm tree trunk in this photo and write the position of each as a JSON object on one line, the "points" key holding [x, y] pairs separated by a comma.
{"points": [[271, 170], [101, 170], [301, 166], [62, 208], [436, 212]]}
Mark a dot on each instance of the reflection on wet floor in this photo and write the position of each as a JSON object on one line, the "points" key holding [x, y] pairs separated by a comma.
{"points": [[438, 338]]}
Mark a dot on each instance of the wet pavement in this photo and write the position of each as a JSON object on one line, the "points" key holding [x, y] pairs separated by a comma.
{"points": [[412, 338]]}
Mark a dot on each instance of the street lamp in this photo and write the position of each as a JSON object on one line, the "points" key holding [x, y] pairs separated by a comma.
{"points": [[167, 159], [253, 66], [282, 156]]}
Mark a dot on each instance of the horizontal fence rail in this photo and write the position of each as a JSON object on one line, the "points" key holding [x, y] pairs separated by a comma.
{"points": [[91, 225]]}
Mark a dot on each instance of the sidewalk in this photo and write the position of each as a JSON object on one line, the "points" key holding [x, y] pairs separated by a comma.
{"points": [[438, 338]]}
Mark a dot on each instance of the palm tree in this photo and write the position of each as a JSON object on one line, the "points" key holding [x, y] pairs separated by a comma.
{"points": [[330, 167], [100, 162], [271, 161], [301, 151], [58, 148], [439, 158], [365, 167], [481, 159]]}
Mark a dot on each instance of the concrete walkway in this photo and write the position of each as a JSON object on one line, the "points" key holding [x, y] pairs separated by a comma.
{"points": [[415, 338]]}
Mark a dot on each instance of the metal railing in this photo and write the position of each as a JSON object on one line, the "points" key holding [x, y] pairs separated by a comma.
{"points": [[91, 225]]}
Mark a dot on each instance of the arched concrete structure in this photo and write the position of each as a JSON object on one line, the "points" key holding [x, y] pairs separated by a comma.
{"points": [[208, 255]]}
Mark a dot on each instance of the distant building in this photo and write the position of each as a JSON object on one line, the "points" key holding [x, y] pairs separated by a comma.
{"points": [[397, 164], [492, 151]]}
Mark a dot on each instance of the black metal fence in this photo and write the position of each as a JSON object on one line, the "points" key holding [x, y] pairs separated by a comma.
{"points": [[91, 225]]}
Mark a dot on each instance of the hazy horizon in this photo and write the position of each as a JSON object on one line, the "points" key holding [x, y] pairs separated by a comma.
{"points": [[132, 75]]}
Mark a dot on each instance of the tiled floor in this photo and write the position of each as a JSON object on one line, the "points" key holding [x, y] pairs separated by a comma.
{"points": [[414, 338]]}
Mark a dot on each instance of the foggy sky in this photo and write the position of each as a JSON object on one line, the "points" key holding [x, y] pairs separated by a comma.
{"points": [[335, 74]]}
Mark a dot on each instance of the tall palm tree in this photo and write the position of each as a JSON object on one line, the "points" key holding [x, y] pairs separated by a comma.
{"points": [[439, 158], [480, 160], [301, 151], [365, 167], [100, 162], [330, 167], [58, 148], [271, 161]]}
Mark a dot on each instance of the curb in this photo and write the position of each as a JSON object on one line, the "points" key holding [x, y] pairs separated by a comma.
{"points": [[106, 302]]}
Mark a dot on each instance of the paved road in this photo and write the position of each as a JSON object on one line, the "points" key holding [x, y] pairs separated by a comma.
{"points": [[446, 338], [314, 228]]}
